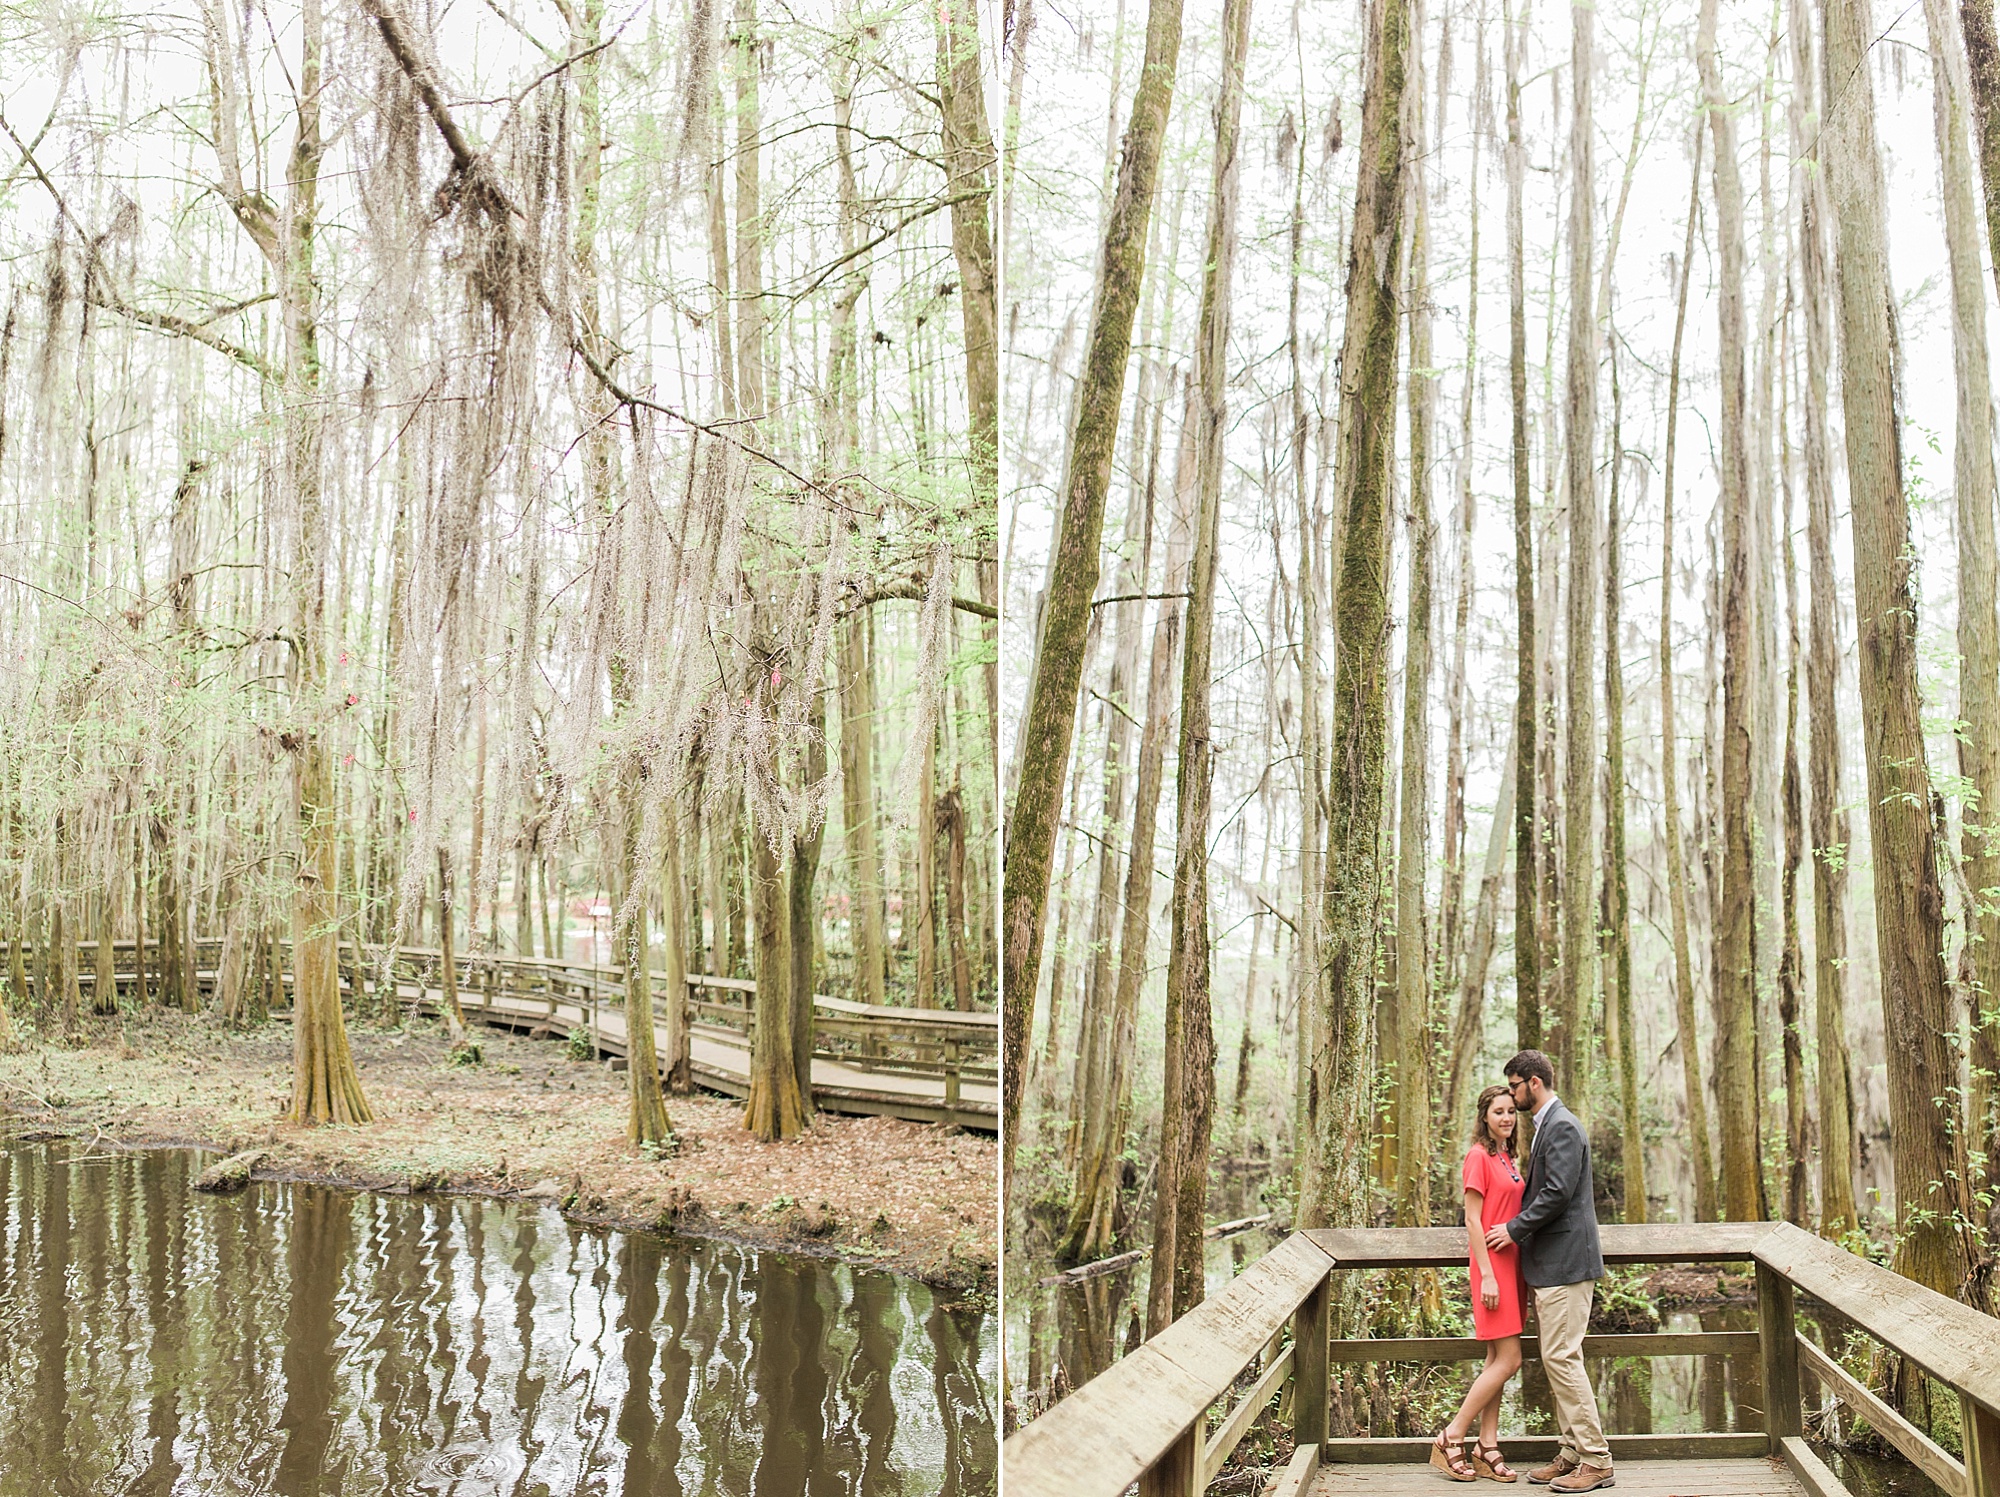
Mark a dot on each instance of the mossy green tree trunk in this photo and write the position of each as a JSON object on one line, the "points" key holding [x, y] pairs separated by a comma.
{"points": [[1187, 1109], [1413, 966], [647, 1121], [1828, 827], [1978, 566], [1931, 1186], [1620, 1028], [1339, 1102], [1982, 53], [1049, 721], [1576, 977], [1735, 931], [1527, 738], [776, 1108], [1093, 1219]]}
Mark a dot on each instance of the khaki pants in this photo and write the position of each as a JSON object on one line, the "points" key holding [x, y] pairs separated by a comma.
{"points": [[1562, 1312]]}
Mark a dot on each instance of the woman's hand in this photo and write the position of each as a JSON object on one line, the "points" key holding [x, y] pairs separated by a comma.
{"points": [[1489, 1296]]}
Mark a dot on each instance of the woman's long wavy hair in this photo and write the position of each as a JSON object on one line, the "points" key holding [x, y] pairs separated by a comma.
{"points": [[1482, 1131]]}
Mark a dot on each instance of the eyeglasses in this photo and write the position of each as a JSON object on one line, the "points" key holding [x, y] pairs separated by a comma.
{"points": [[1515, 1085]]}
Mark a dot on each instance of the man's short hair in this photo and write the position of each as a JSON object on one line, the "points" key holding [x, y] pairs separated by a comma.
{"points": [[1530, 1064]]}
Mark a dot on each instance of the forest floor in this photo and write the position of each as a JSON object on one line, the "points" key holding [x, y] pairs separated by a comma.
{"points": [[528, 1121]]}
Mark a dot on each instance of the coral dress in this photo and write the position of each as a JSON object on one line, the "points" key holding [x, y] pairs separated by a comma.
{"points": [[1498, 1181]]}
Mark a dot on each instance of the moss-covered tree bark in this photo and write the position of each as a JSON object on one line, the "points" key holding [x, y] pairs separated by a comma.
{"points": [[1738, 1091], [1187, 1111], [1339, 1097], [1828, 826], [1930, 1161], [1050, 718], [1527, 738], [1978, 565]]}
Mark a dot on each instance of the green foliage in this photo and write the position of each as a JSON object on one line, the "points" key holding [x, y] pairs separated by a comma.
{"points": [[1622, 1303], [581, 1046]]}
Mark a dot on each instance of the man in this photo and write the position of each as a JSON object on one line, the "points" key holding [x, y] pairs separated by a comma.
{"points": [[1561, 1261]]}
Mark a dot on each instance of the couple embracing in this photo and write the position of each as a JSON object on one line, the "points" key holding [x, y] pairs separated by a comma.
{"points": [[1530, 1228]]}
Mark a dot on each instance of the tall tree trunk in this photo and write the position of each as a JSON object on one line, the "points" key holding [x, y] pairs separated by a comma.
{"points": [[646, 1120], [325, 1087], [1829, 826], [1527, 840], [1091, 1230], [1128, 616], [1338, 1104], [1791, 961], [104, 982], [677, 1059], [454, 1015], [1618, 1008], [1978, 566], [1451, 941], [1187, 1110], [1932, 1199], [926, 850], [1413, 968], [1050, 717], [776, 1108], [1468, 1028], [1312, 776], [951, 826], [748, 269], [1736, 942], [857, 780], [1707, 1207], [1577, 984], [804, 910], [968, 163]]}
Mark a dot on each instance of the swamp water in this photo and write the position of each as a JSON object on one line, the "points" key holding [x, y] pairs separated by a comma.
{"points": [[297, 1339]]}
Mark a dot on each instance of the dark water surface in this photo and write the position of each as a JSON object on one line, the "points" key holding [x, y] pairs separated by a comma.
{"points": [[298, 1339]]}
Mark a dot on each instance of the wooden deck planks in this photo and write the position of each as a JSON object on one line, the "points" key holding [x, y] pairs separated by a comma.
{"points": [[1753, 1476]]}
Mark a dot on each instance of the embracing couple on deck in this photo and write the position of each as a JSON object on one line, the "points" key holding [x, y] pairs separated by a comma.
{"points": [[1532, 1228]]}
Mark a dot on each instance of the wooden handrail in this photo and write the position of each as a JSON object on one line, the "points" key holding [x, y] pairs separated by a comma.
{"points": [[1444, 1247], [1145, 1418], [1119, 1426], [1954, 1343], [980, 1029]]}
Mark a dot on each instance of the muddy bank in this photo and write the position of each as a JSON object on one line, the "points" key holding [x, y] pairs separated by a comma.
{"points": [[530, 1121]]}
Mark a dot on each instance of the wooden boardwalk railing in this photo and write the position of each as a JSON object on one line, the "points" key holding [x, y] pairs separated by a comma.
{"points": [[1147, 1419], [927, 1065]]}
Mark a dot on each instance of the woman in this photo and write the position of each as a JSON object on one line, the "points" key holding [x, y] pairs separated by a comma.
{"points": [[1492, 1195]]}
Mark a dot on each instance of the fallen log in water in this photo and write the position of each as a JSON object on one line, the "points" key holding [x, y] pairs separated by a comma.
{"points": [[1121, 1260]]}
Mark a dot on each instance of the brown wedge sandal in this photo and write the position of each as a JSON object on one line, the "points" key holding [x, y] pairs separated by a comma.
{"points": [[1489, 1463], [1449, 1457]]}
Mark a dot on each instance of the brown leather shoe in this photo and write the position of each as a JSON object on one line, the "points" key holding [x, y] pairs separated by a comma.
{"points": [[1562, 1465], [1585, 1478]]}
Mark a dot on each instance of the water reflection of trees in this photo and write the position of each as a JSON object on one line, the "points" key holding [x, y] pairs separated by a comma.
{"points": [[301, 1340]]}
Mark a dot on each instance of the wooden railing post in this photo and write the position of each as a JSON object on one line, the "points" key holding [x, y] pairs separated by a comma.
{"points": [[1178, 1472], [1309, 1361], [1982, 1446], [1779, 1347], [951, 1081]]}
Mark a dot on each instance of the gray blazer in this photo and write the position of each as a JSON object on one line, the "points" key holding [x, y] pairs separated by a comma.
{"points": [[1557, 1224]]}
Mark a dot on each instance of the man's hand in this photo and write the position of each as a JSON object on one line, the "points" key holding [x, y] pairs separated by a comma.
{"points": [[1497, 1238]]}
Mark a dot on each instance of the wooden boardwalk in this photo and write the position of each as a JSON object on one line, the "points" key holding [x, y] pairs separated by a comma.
{"points": [[1168, 1415], [1750, 1476], [926, 1065], [719, 1056]]}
